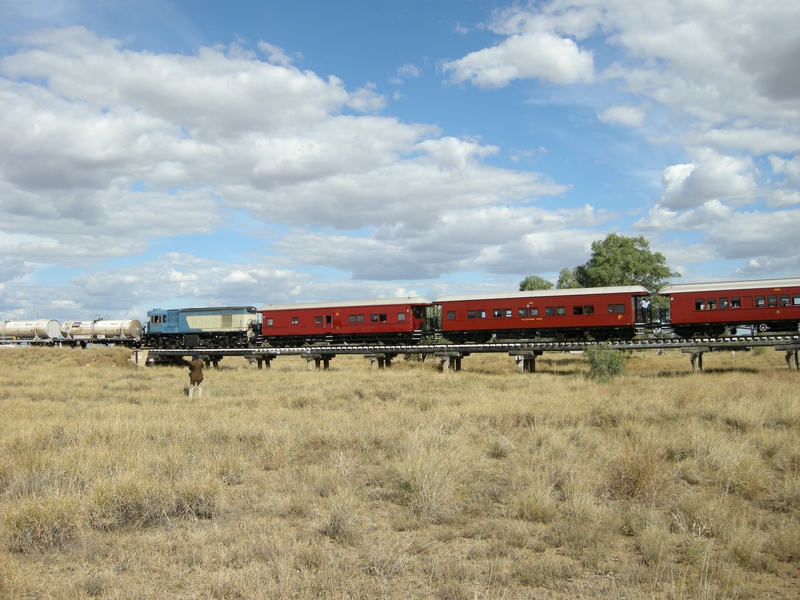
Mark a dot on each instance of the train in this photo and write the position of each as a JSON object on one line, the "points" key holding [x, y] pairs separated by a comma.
{"points": [[617, 312], [75, 333], [385, 320], [603, 313], [207, 327], [712, 308]]}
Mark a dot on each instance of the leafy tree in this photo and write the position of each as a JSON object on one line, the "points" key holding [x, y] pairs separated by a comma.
{"points": [[534, 282], [567, 279], [620, 260]]}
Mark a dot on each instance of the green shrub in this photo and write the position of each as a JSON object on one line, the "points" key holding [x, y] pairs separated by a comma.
{"points": [[604, 362]]}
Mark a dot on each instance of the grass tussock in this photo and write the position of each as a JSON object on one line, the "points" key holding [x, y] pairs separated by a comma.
{"points": [[406, 482], [35, 525]]}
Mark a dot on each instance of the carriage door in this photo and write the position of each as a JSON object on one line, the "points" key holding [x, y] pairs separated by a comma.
{"points": [[641, 308], [328, 321]]}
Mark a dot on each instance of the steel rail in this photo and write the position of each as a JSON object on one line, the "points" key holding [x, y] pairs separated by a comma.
{"points": [[704, 344]]}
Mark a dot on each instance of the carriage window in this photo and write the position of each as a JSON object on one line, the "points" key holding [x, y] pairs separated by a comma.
{"points": [[577, 310], [270, 322], [351, 319], [796, 300], [723, 303], [561, 310], [318, 320], [772, 300], [401, 317], [588, 310], [360, 318], [534, 312], [550, 311], [522, 312], [736, 302], [611, 309], [699, 304], [451, 315], [497, 313], [471, 314], [507, 312], [712, 303], [481, 314], [760, 301], [373, 318], [784, 299], [295, 320], [619, 309]]}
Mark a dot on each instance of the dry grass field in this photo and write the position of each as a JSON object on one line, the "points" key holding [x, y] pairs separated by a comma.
{"points": [[402, 483]]}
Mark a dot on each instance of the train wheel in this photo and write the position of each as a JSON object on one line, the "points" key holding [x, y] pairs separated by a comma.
{"points": [[763, 327]]}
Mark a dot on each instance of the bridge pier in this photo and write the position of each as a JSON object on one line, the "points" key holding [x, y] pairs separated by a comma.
{"points": [[791, 355], [313, 361], [451, 361], [139, 357], [261, 359], [380, 360], [526, 360], [791, 359], [696, 356]]}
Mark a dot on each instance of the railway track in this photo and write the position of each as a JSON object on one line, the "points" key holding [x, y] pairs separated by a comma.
{"points": [[526, 352]]}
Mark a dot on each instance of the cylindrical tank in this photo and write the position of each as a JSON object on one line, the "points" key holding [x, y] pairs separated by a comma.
{"points": [[44, 329], [100, 329]]}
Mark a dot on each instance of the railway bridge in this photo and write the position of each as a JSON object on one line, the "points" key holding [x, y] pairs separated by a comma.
{"points": [[451, 355]]}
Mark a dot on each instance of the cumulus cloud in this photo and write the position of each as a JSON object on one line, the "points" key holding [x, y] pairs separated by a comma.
{"points": [[275, 54], [103, 149], [726, 72], [494, 239], [406, 71], [535, 55], [632, 116], [712, 176], [366, 99]]}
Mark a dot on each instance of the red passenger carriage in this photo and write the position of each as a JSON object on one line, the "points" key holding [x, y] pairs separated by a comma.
{"points": [[387, 320], [708, 308], [601, 312]]}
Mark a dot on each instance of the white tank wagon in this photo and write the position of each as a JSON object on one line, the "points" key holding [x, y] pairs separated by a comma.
{"points": [[102, 329], [40, 329]]}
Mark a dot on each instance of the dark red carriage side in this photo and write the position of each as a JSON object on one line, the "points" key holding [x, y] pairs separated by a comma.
{"points": [[708, 308], [602, 312], [387, 320]]}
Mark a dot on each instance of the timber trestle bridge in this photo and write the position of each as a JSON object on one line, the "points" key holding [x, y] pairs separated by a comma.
{"points": [[451, 355]]}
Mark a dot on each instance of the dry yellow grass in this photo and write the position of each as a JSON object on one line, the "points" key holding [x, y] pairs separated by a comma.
{"points": [[402, 483]]}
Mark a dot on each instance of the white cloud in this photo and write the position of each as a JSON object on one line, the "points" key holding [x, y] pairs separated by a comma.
{"points": [[366, 100], [276, 54], [103, 149], [492, 240], [632, 116], [788, 167], [726, 72], [536, 55], [712, 176], [408, 70]]}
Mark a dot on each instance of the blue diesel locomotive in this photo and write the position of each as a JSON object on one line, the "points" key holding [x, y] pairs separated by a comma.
{"points": [[212, 327]]}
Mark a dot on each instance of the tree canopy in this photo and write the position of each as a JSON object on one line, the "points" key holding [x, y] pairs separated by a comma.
{"points": [[616, 260], [620, 260], [534, 282], [566, 279]]}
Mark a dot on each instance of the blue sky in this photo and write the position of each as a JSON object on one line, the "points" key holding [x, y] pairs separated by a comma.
{"points": [[183, 153]]}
